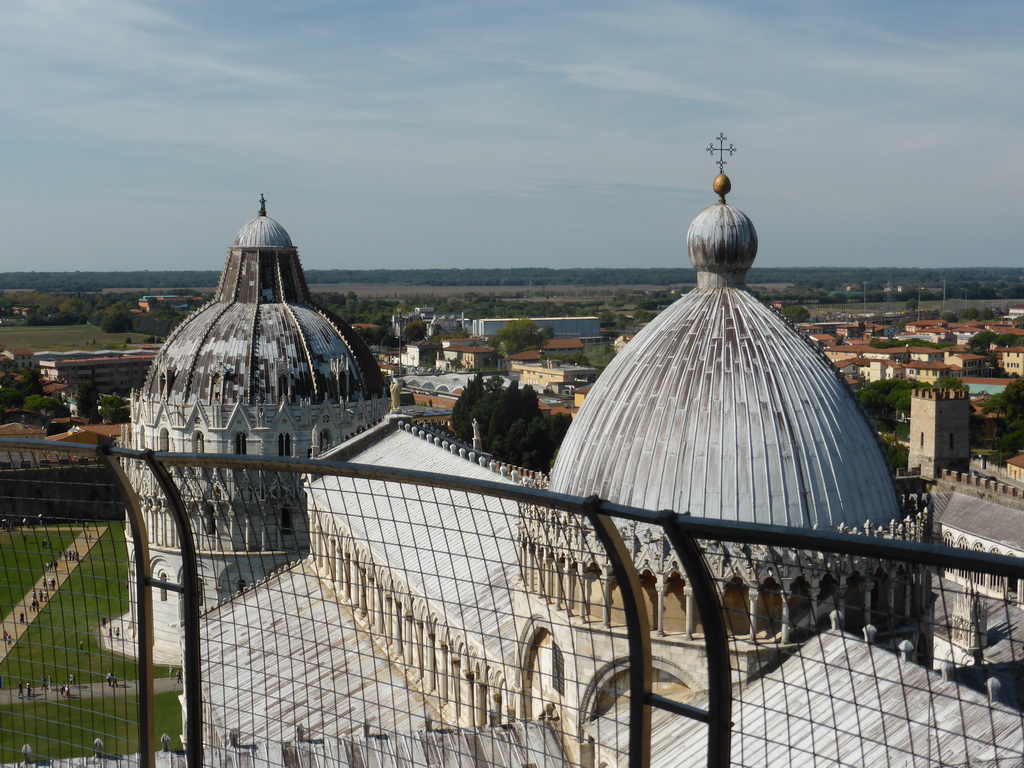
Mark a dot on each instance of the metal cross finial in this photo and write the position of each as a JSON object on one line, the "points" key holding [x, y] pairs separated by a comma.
{"points": [[263, 205], [721, 150]]}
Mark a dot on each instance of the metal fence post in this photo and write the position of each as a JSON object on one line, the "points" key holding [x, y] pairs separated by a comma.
{"points": [[638, 632], [716, 640], [192, 661]]}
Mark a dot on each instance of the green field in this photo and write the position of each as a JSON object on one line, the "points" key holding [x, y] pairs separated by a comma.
{"points": [[63, 639], [63, 337], [60, 729], [22, 555]]}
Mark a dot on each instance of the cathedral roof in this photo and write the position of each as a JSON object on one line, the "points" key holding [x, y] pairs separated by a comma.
{"points": [[719, 408], [263, 232], [263, 338]]}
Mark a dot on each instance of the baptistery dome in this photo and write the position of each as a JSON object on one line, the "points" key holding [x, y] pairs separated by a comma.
{"points": [[263, 339], [720, 409]]}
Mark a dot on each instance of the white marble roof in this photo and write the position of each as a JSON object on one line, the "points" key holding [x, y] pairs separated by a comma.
{"points": [[280, 654], [461, 548], [842, 702]]}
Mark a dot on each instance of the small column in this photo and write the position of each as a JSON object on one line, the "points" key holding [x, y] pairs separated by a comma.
{"points": [[691, 618], [869, 587], [409, 637], [444, 672], [559, 584], [469, 698], [456, 687], [659, 614], [399, 627], [606, 581], [787, 624], [360, 590], [430, 663], [755, 593], [586, 585], [481, 707]]}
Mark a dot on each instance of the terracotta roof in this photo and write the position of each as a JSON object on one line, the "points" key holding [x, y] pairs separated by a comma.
{"points": [[17, 429], [561, 344]]}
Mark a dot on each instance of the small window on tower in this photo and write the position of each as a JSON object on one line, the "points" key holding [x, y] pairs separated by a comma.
{"points": [[922, 439]]}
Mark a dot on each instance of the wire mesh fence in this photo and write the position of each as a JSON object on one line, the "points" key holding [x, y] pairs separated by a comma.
{"points": [[309, 613], [67, 667]]}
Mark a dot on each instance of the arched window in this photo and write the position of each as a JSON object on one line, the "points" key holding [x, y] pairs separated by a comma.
{"points": [[557, 668], [165, 440], [325, 440], [163, 590], [198, 443], [922, 439], [284, 445], [241, 440], [286, 521]]}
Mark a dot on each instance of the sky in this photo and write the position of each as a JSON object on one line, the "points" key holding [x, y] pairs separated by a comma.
{"points": [[389, 134]]}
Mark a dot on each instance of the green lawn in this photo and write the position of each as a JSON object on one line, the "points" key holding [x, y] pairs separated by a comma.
{"points": [[22, 556], [59, 337], [60, 729], [63, 638]]}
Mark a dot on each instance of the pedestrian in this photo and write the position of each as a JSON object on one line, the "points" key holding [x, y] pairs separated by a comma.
{"points": [[28, 690], [21, 691], [49, 682], [179, 676], [71, 680], [21, 617]]}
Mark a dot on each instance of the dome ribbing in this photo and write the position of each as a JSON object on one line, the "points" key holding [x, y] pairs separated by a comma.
{"points": [[720, 409]]}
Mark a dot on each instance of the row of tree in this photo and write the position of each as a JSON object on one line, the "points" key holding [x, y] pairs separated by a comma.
{"points": [[511, 423]]}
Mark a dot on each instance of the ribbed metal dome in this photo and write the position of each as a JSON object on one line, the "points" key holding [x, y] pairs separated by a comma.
{"points": [[263, 232], [263, 339], [720, 409], [722, 244]]}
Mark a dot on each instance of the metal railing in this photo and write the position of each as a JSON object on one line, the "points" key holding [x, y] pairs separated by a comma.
{"points": [[346, 614]]}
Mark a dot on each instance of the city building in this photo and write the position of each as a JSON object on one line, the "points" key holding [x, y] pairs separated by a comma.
{"points": [[114, 374], [561, 327]]}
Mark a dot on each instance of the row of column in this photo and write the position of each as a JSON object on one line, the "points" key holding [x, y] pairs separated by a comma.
{"points": [[591, 595], [430, 663]]}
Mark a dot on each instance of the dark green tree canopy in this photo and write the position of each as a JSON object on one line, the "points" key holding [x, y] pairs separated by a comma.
{"points": [[519, 336]]}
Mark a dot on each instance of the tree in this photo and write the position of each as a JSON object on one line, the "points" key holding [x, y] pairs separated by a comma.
{"points": [[114, 410], [518, 335], [45, 408], [797, 313], [513, 427], [415, 331], [88, 399], [970, 313], [116, 320], [10, 398]]}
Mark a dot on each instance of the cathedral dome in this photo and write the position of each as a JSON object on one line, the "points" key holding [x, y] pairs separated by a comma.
{"points": [[263, 232], [262, 339], [720, 409]]}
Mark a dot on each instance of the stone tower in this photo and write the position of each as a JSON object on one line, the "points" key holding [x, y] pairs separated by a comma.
{"points": [[939, 431]]}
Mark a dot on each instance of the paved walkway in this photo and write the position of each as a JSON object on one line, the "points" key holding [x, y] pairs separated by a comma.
{"points": [[95, 690], [82, 544]]}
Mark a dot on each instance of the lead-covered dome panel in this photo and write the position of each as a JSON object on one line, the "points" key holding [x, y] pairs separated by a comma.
{"points": [[263, 232], [262, 338], [718, 408]]}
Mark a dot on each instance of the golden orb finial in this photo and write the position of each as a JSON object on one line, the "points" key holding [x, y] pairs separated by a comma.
{"points": [[722, 186]]}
